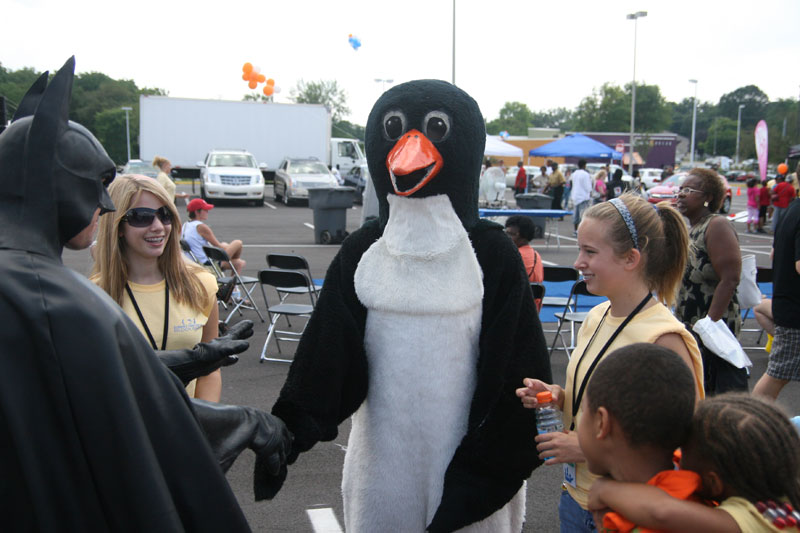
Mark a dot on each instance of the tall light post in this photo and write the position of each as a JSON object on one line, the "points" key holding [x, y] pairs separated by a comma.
{"points": [[383, 83], [128, 129], [694, 120], [453, 81], [738, 131], [635, 17]]}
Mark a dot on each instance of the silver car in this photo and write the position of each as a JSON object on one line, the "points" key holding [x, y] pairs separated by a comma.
{"points": [[137, 166], [295, 177]]}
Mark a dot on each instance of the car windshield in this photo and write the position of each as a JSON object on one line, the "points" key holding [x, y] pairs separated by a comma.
{"points": [[232, 160], [675, 179], [308, 167]]}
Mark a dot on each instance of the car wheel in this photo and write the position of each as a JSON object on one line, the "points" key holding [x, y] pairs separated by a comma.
{"points": [[726, 205], [285, 198]]}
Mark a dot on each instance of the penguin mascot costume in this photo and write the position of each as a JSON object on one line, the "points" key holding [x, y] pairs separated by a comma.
{"points": [[95, 433], [424, 329]]}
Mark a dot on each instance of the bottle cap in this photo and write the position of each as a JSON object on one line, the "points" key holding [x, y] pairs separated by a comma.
{"points": [[544, 397]]}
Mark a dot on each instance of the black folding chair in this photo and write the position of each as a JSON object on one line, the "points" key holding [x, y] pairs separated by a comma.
{"points": [[246, 284], [280, 280], [538, 290], [572, 316], [294, 262], [188, 250], [553, 273]]}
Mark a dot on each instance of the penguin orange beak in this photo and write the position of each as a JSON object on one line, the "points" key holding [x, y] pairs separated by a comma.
{"points": [[413, 162]]}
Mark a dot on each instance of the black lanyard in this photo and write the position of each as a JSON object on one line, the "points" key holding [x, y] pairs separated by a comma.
{"points": [[577, 401], [144, 323]]}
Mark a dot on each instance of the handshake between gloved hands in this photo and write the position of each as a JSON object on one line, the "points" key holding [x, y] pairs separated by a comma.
{"points": [[206, 357]]}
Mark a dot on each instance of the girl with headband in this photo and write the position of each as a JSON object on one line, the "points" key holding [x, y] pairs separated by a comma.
{"points": [[634, 255]]}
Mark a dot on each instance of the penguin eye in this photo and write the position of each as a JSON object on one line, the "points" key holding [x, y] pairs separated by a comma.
{"points": [[394, 123], [436, 126]]}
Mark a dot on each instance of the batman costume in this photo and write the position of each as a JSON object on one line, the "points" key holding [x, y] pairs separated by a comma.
{"points": [[95, 433], [424, 329]]}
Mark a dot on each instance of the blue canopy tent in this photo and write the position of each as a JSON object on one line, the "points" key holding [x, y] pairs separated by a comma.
{"points": [[576, 145]]}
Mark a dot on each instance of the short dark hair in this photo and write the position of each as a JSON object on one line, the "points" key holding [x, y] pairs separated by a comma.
{"points": [[526, 227], [553, 165], [712, 186], [617, 174], [581, 163], [650, 392]]}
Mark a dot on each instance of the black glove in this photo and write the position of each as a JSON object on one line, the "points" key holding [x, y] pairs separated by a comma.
{"points": [[206, 357], [232, 428]]}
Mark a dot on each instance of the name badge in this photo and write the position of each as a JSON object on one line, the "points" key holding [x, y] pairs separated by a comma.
{"points": [[569, 474]]}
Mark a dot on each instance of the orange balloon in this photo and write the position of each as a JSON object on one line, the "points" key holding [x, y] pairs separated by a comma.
{"points": [[783, 168], [268, 90], [270, 82], [246, 77], [247, 68], [252, 84], [260, 78]]}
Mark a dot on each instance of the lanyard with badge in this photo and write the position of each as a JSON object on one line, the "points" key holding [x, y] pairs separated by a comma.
{"points": [[569, 468], [144, 323]]}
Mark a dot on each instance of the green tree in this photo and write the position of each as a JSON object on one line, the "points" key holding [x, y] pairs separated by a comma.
{"points": [[110, 131], [652, 112], [14, 84], [561, 118], [326, 92], [348, 130], [515, 118], [606, 109], [754, 100], [720, 138]]}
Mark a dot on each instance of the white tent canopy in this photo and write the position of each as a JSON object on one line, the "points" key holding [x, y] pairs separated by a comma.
{"points": [[496, 147]]}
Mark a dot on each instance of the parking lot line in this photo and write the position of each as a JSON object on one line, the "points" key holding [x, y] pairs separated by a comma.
{"points": [[266, 203], [308, 225], [323, 520]]}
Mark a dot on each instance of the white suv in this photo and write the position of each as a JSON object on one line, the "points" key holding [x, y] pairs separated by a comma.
{"points": [[231, 175]]}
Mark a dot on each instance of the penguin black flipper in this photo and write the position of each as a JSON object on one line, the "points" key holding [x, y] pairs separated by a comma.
{"points": [[327, 381]]}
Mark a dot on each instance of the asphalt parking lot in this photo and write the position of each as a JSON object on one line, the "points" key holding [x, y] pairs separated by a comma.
{"points": [[311, 498]]}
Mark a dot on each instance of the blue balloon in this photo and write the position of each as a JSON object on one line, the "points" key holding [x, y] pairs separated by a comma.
{"points": [[355, 42]]}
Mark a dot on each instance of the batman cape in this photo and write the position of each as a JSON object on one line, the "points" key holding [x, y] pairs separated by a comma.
{"points": [[95, 433]]}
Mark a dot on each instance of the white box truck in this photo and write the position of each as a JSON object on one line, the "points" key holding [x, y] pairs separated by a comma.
{"points": [[185, 130]]}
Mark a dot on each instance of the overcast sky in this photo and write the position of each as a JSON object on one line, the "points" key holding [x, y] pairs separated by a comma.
{"points": [[545, 54]]}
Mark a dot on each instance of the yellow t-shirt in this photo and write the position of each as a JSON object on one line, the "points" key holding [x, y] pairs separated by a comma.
{"points": [[167, 183], [647, 326], [556, 179], [185, 322], [746, 515]]}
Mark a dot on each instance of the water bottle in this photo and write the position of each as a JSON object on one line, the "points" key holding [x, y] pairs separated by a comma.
{"points": [[548, 415], [236, 295]]}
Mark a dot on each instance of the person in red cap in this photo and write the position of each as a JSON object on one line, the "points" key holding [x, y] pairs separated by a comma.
{"points": [[198, 234]]}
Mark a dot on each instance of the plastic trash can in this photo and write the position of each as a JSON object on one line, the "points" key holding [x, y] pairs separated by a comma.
{"points": [[330, 205], [535, 200]]}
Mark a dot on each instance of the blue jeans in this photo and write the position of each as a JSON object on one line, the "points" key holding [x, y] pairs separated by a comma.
{"points": [[573, 517]]}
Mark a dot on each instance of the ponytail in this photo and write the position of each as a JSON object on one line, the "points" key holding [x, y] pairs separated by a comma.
{"points": [[662, 240]]}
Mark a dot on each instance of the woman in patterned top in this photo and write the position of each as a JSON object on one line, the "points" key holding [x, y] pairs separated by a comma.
{"points": [[712, 273]]}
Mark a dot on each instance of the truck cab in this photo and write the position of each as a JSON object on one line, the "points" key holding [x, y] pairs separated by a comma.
{"points": [[347, 154]]}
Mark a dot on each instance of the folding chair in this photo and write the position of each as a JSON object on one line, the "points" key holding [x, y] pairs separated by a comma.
{"points": [[763, 275], [572, 316], [281, 280], [538, 290], [246, 284], [294, 262], [188, 250]]}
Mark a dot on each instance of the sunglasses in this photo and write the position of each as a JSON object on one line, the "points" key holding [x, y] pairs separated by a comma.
{"points": [[688, 190], [142, 217]]}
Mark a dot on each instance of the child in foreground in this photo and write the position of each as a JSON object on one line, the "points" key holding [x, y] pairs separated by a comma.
{"points": [[636, 411], [748, 455]]}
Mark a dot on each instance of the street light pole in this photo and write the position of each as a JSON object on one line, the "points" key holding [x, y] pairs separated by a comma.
{"points": [[694, 120], [738, 131], [635, 17], [128, 129], [454, 43], [383, 83]]}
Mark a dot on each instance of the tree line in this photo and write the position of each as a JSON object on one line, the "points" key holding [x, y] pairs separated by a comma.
{"points": [[608, 108], [97, 100]]}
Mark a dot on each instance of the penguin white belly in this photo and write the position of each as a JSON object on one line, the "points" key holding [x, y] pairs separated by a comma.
{"points": [[422, 286]]}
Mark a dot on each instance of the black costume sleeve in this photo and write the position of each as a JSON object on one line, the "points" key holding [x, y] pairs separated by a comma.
{"points": [[498, 452], [327, 381]]}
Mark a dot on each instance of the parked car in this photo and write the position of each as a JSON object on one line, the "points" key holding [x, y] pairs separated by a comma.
{"points": [[137, 166], [668, 190], [231, 175], [511, 174], [650, 177], [594, 168], [357, 178], [295, 177]]}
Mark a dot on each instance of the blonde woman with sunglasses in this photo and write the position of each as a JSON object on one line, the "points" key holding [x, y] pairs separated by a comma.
{"points": [[140, 265]]}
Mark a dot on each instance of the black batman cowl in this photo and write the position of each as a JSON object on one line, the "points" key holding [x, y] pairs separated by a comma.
{"points": [[442, 116], [52, 171]]}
